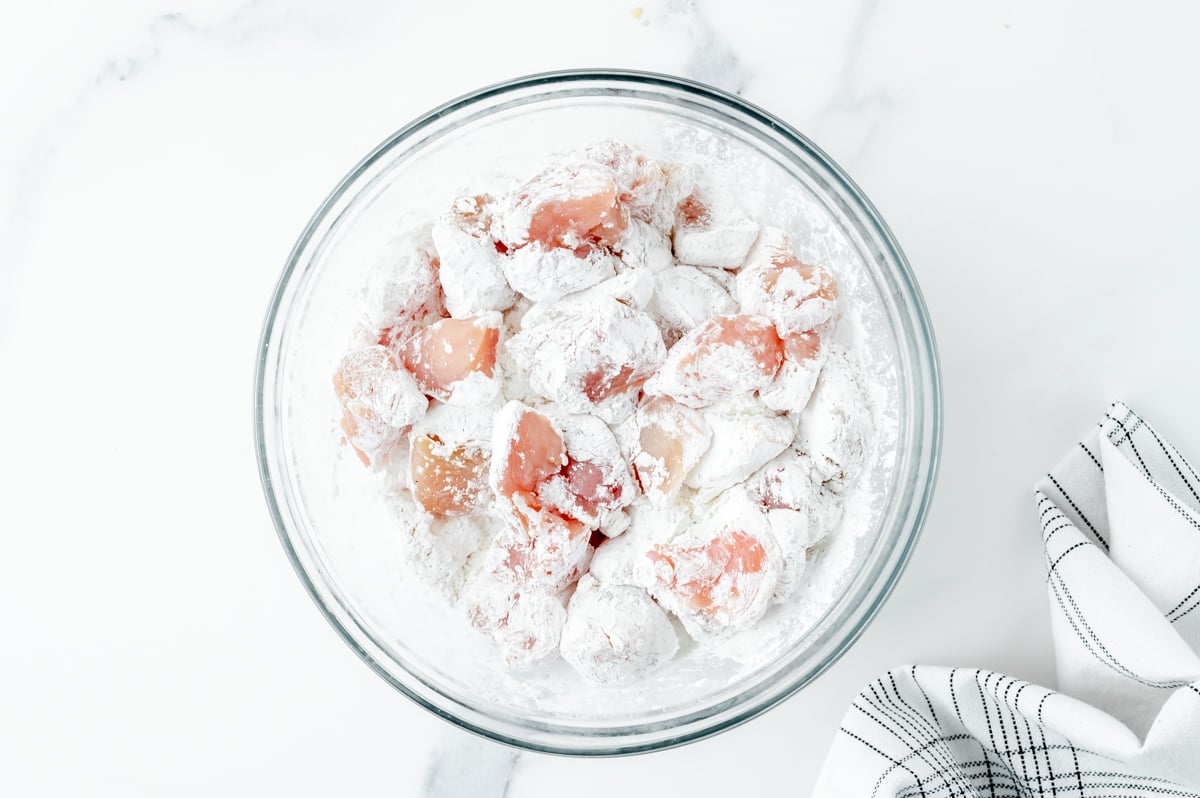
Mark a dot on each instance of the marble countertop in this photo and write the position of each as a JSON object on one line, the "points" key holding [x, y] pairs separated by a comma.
{"points": [[1037, 162]]}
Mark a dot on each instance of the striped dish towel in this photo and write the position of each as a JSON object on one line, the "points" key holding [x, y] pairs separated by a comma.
{"points": [[1120, 519]]}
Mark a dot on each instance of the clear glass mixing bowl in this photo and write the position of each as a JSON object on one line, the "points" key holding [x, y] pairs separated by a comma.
{"points": [[435, 659]]}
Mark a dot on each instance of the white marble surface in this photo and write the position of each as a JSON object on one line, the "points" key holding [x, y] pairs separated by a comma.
{"points": [[1037, 161]]}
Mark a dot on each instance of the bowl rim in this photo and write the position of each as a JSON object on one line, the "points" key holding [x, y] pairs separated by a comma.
{"points": [[870, 216]]}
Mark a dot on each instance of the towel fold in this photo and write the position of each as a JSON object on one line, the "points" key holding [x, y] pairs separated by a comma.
{"points": [[1120, 520]]}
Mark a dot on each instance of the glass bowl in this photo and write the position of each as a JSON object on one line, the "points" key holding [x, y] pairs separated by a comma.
{"points": [[329, 526]]}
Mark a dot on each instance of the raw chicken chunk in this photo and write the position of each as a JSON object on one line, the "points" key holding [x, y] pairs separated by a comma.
{"points": [[712, 232], [622, 560], [791, 481], [540, 546], [595, 484], [684, 298], [644, 246], [745, 436], [724, 357], [379, 400], [804, 354], [454, 360], [567, 206], [589, 359], [525, 625], [546, 274], [437, 550], [639, 179], [615, 633], [836, 428], [410, 299], [795, 296], [719, 576], [672, 438], [470, 272]]}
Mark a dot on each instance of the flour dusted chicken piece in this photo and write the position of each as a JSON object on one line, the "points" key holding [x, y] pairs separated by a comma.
{"points": [[379, 401], [448, 480], [615, 633], [712, 231], [558, 229], [798, 531], [800, 510], [681, 183], [526, 625], [792, 531], [836, 428], [745, 436], [639, 180], [437, 550], [644, 246], [792, 481], [633, 287], [470, 273], [719, 576], [450, 453], [726, 356], [672, 439], [589, 359], [804, 354], [546, 274], [454, 360], [795, 296], [410, 299], [568, 205], [623, 560], [596, 484], [540, 547], [686, 297]]}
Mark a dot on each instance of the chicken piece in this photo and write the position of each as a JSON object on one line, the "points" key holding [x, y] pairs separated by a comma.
{"points": [[795, 296], [836, 427], [437, 551], [632, 287], [540, 546], [791, 530], [684, 298], [568, 205], [622, 560], [595, 484], [719, 576], [471, 277], [526, 625], [672, 439], [589, 359], [680, 183], [745, 436], [448, 480], [539, 549], [712, 232], [644, 246], [803, 356], [527, 450], [639, 179], [615, 633], [379, 401], [726, 356], [791, 482], [454, 360], [410, 299], [547, 274]]}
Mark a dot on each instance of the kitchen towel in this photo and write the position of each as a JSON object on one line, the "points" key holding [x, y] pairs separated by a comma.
{"points": [[1120, 521]]}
